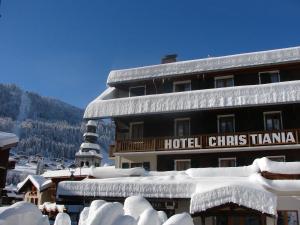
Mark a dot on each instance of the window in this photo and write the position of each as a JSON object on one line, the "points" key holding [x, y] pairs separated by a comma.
{"points": [[180, 86], [137, 91], [227, 162], [133, 165], [225, 81], [182, 164], [269, 77], [125, 165], [277, 158], [136, 130], [182, 127], [226, 123], [146, 166], [273, 120], [287, 218]]}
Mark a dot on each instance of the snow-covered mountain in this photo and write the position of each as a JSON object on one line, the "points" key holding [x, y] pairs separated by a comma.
{"points": [[46, 126]]}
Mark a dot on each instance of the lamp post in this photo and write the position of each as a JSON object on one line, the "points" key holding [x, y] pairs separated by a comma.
{"points": [[72, 169]]}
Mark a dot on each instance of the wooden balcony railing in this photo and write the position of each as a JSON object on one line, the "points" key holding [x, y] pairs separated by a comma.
{"points": [[208, 141]]}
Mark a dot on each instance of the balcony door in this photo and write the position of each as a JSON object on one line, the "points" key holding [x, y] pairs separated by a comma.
{"points": [[182, 127], [136, 130], [226, 123], [273, 121]]}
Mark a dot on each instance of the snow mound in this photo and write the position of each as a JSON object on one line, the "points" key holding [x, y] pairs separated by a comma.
{"points": [[180, 219], [267, 165], [62, 219], [135, 205], [243, 171], [111, 171], [83, 216], [96, 204], [149, 217], [106, 214], [162, 216], [22, 213], [257, 199], [125, 220]]}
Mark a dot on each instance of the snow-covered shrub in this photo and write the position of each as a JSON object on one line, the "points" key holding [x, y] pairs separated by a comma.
{"points": [[138, 211], [22, 213], [62, 219]]}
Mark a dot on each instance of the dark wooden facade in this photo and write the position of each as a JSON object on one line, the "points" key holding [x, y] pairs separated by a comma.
{"points": [[204, 123], [250, 76]]}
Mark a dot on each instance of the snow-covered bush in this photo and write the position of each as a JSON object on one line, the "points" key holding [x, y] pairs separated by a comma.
{"points": [[136, 211], [22, 213]]}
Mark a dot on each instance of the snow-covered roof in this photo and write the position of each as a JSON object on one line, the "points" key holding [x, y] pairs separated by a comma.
{"points": [[267, 165], [52, 207], [205, 187], [40, 182], [7, 139], [92, 123], [82, 172], [91, 153], [87, 145], [238, 96], [213, 64]]}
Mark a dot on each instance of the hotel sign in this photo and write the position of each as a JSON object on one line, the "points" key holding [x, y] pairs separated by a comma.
{"points": [[232, 140]]}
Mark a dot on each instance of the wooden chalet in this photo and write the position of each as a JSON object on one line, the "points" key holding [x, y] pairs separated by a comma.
{"points": [[7, 141]]}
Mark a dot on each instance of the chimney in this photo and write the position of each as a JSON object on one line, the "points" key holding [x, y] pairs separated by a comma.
{"points": [[169, 58]]}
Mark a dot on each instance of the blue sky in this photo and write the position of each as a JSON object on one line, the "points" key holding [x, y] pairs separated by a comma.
{"points": [[66, 48]]}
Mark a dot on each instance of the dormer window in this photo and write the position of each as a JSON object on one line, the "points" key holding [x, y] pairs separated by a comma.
{"points": [[180, 86], [224, 81], [137, 91], [269, 77]]}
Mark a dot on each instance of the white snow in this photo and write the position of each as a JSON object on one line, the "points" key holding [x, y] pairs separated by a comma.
{"points": [[90, 146], [7, 139], [111, 171], [125, 220], [162, 216], [200, 66], [238, 96], [52, 207], [39, 182], [180, 219], [62, 219], [106, 214], [141, 213], [84, 215], [66, 173], [149, 217], [268, 165], [135, 205], [241, 193], [243, 171], [206, 187], [92, 123], [89, 153], [22, 213]]}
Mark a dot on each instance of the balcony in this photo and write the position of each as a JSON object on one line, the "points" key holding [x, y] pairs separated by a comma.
{"points": [[106, 105], [208, 142]]}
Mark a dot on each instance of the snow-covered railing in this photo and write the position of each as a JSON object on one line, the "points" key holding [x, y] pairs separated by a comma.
{"points": [[212, 64], [240, 96]]}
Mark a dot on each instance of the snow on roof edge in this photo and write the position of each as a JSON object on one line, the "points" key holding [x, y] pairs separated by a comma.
{"points": [[7, 139], [248, 95], [250, 59]]}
